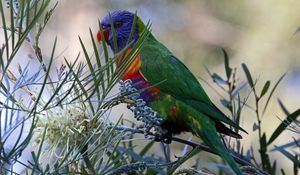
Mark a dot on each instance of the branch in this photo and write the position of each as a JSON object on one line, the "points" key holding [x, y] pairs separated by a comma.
{"points": [[238, 158], [87, 161]]}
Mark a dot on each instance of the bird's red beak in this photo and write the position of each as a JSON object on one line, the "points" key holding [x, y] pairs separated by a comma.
{"points": [[105, 34]]}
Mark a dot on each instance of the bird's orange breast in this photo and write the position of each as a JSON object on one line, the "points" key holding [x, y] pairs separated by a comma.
{"points": [[133, 68], [140, 82]]}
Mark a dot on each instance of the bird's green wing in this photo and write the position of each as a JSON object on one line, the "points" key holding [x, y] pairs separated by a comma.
{"points": [[160, 66], [171, 76], [213, 112]]}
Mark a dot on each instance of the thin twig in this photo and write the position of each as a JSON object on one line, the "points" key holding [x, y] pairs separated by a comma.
{"points": [[86, 159], [238, 158]]}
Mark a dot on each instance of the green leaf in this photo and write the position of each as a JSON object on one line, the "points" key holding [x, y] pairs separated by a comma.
{"points": [[105, 50], [290, 144], [98, 61], [181, 160], [282, 171], [58, 89], [296, 164], [36, 157], [265, 160], [254, 127], [283, 108], [265, 88], [114, 34], [273, 169], [218, 79], [146, 148], [272, 91], [12, 26], [30, 24], [4, 30], [132, 28], [248, 75], [152, 171], [239, 88], [226, 63], [290, 156], [283, 125]]}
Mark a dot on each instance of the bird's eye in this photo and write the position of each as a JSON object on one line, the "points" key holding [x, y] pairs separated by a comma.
{"points": [[118, 24], [105, 26]]}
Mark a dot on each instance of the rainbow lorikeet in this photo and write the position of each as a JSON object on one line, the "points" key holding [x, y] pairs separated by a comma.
{"points": [[171, 89]]}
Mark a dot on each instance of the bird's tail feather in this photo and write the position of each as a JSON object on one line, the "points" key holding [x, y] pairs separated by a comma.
{"points": [[221, 128], [208, 134]]}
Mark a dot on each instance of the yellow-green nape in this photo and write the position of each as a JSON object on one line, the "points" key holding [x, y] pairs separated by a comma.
{"points": [[140, 24]]}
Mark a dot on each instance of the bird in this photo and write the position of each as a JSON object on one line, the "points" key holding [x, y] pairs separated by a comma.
{"points": [[170, 87]]}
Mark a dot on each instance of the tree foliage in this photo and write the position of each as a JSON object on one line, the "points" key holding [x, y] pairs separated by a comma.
{"points": [[65, 116]]}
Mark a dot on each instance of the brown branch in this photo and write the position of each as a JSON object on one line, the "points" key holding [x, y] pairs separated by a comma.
{"points": [[238, 158], [87, 161]]}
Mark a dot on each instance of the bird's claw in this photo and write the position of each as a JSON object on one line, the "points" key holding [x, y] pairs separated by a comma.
{"points": [[163, 137]]}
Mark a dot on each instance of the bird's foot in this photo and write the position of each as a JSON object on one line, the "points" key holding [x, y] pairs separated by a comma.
{"points": [[165, 137]]}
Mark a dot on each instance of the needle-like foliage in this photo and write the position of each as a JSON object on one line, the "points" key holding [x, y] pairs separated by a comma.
{"points": [[62, 118]]}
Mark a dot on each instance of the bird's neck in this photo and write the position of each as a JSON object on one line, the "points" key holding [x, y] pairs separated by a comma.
{"points": [[134, 66], [123, 42]]}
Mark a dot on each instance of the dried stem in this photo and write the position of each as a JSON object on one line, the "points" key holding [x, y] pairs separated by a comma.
{"points": [[238, 158]]}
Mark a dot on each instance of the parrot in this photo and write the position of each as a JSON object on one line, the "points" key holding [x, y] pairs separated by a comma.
{"points": [[170, 87]]}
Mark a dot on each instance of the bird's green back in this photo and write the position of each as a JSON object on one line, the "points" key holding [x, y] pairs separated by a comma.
{"points": [[171, 76]]}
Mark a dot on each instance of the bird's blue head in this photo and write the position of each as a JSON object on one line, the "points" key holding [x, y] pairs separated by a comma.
{"points": [[122, 21]]}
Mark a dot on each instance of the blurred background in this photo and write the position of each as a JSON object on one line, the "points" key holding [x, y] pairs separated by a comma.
{"points": [[258, 33]]}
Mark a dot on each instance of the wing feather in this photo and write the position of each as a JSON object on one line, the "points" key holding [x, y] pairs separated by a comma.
{"points": [[160, 67]]}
